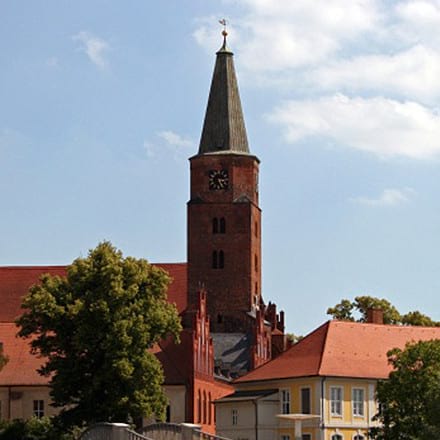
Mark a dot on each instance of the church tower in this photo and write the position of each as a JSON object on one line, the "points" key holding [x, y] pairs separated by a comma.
{"points": [[224, 219]]}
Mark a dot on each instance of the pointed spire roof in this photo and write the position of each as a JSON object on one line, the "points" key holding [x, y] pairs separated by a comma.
{"points": [[223, 128]]}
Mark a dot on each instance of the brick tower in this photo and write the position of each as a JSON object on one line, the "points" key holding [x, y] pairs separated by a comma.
{"points": [[224, 219]]}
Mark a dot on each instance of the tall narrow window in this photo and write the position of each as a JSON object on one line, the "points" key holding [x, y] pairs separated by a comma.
{"points": [[285, 401], [168, 414], [205, 412], [222, 225], [199, 407], [305, 401], [215, 225], [235, 416], [214, 260], [256, 262], [358, 402], [336, 401], [38, 408], [221, 260], [209, 409]]}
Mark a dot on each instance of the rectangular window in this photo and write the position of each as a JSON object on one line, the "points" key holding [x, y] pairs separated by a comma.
{"points": [[235, 416], [285, 401], [306, 437], [285, 437], [305, 401], [336, 401], [358, 401], [38, 408]]}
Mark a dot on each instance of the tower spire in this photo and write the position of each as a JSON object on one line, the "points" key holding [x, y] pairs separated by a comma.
{"points": [[223, 128]]}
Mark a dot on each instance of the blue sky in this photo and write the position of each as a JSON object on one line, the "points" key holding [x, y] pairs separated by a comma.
{"points": [[102, 102]]}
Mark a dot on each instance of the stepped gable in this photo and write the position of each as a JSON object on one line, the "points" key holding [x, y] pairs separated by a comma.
{"points": [[15, 282], [342, 349]]}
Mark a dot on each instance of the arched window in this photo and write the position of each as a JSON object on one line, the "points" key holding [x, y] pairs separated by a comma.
{"points": [[214, 260], [204, 407], [222, 226], [209, 409], [256, 262], [199, 407], [221, 260], [337, 437], [215, 225], [358, 437]]}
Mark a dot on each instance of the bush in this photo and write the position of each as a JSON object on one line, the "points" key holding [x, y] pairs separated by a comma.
{"points": [[32, 429]]}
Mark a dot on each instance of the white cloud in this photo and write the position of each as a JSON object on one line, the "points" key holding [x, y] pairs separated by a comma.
{"points": [[174, 139], [94, 47], [290, 34], [411, 73], [170, 141], [384, 127], [389, 197]]}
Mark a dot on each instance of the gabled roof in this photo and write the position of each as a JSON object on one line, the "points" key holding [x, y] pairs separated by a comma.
{"points": [[223, 127], [15, 282], [342, 349]]}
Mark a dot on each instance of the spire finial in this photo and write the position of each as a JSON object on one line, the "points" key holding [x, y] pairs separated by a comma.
{"points": [[223, 22]]}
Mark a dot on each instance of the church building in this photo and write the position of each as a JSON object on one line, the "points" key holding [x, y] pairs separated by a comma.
{"points": [[228, 329]]}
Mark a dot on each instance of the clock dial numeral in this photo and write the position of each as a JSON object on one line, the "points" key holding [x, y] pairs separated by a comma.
{"points": [[218, 179]]}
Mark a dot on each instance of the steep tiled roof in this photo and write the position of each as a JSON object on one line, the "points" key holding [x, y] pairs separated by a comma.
{"points": [[15, 282], [342, 349], [21, 368]]}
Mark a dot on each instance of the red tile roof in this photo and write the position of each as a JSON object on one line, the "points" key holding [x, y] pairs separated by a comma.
{"points": [[21, 368], [342, 349], [15, 282]]}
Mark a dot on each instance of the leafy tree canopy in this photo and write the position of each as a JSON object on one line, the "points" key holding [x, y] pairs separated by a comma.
{"points": [[94, 327], [347, 309], [410, 398]]}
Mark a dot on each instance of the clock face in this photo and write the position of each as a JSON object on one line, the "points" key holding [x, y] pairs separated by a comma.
{"points": [[218, 179]]}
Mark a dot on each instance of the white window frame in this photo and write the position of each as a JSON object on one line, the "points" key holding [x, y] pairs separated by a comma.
{"points": [[358, 410], [310, 398], [286, 403], [337, 437], [38, 408], [334, 402], [234, 414], [359, 437]]}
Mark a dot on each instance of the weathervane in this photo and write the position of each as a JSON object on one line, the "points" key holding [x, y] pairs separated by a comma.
{"points": [[223, 22]]}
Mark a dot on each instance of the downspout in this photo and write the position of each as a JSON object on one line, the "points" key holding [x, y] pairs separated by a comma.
{"points": [[9, 403], [256, 418], [322, 406]]}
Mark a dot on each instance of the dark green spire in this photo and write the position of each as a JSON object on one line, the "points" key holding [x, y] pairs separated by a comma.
{"points": [[223, 128]]}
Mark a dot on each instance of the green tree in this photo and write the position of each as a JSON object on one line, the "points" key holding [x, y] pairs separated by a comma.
{"points": [[342, 311], [410, 398], [94, 327], [418, 318], [346, 309]]}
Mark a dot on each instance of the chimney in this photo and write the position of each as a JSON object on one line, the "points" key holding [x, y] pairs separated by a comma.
{"points": [[374, 316]]}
